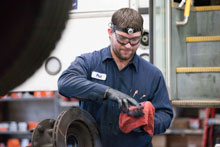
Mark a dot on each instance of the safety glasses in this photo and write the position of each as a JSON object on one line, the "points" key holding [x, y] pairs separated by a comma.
{"points": [[124, 40]]}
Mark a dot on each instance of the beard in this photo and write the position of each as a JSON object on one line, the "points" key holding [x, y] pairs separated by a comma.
{"points": [[123, 54]]}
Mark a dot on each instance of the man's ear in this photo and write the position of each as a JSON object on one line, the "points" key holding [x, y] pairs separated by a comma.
{"points": [[110, 32]]}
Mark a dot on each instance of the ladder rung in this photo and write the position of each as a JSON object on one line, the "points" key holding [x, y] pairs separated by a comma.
{"points": [[202, 38], [207, 8], [198, 8], [197, 69]]}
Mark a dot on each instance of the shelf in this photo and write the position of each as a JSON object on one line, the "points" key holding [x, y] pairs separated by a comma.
{"points": [[25, 109], [25, 99], [195, 103], [214, 121], [69, 103], [185, 131], [15, 133]]}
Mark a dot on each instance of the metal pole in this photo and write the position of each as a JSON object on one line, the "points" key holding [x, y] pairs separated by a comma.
{"points": [[151, 35], [168, 45]]}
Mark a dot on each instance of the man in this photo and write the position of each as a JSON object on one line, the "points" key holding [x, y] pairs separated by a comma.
{"points": [[109, 81]]}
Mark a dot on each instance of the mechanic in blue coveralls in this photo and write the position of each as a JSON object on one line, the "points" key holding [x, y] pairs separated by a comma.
{"points": [[110, 80]]}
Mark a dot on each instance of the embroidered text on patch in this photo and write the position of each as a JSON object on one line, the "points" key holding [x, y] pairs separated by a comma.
{"points": [[97, 75]]}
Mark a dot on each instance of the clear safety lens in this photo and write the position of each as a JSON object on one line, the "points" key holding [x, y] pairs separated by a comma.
{"points": [[124, 40]]}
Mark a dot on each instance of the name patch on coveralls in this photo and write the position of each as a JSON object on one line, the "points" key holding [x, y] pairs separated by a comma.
{"points": [[97, 75]]}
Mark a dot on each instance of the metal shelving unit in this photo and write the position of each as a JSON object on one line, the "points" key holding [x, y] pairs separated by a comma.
{"points": [[25, 110], [15, 133], [184, 131], [30, 109], [25, 99]]}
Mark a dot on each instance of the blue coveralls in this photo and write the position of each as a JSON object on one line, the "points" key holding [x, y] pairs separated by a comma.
{"points": [[91, 74]]}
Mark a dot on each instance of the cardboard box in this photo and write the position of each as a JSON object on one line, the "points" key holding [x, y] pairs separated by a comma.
{"points": [[186, 140], [180, 123], [176, 141], [159, 140], [194, 140]]}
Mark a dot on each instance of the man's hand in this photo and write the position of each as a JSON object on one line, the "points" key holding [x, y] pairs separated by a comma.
{"points": [[136, 111], [123, 100]]}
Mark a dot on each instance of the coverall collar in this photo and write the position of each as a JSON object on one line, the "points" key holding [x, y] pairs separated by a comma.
{"points": [[107, 55]]}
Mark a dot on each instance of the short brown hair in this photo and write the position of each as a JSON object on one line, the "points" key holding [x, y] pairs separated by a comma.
{"points": [[127, 17]]}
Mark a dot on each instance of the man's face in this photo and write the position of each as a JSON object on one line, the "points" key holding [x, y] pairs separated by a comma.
{"points": [[124, 45]]}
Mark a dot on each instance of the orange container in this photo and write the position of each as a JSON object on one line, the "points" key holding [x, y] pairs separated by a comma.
{"points": [[4, 97], [32, 125], [13, 143], [16, 95], [40, 94], [3, 129]]}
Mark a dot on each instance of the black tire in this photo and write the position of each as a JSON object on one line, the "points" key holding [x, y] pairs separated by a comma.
{"points": [[29, 32]]}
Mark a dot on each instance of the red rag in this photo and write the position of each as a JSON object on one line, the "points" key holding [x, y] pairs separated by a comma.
{"points": [[128, 123]]}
